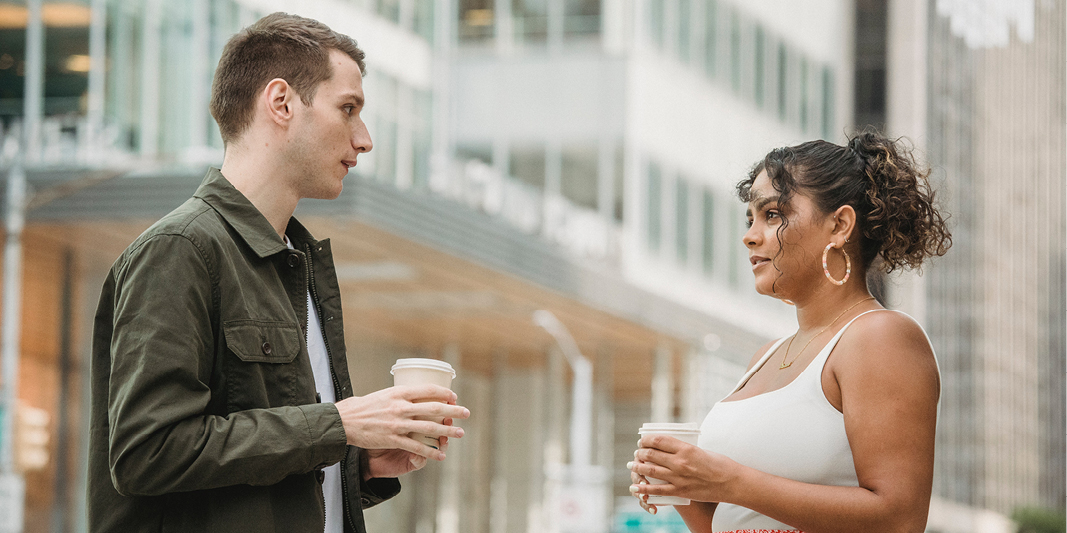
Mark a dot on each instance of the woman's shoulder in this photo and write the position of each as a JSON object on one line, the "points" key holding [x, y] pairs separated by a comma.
{"points": [[886, 343], [886, 328]]}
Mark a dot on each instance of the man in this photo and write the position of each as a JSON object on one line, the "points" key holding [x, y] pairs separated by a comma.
{"points": [[221, 398]]}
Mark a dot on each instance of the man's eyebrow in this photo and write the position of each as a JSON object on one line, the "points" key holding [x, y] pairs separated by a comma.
{"points": [[357, 98]]}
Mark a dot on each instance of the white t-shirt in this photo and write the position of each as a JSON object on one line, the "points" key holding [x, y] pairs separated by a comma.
{"points": [[320, 368]]}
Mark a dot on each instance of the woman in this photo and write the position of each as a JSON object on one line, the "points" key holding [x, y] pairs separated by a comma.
{"points": [[832, 428]]}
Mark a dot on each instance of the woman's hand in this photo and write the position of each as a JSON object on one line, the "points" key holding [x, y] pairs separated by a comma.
{"points": [[638, 479], [689, 471]]}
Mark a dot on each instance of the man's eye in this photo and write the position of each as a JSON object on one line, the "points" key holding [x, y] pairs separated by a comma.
{"points": [[348, 109]]}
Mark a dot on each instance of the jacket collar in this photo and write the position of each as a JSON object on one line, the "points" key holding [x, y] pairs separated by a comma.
{"points": [[239, 213]]}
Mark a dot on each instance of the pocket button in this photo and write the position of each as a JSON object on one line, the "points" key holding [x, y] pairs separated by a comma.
{"points": [[267, 348]]}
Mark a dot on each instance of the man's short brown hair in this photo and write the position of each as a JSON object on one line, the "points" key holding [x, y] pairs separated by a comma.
{"points": [[279, 45]]}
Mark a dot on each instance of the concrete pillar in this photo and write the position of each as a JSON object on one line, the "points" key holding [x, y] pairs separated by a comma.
{"points": [[663, 385], [97, 77], [33, 101], [151, 36], [518, 436], [449, 482]]}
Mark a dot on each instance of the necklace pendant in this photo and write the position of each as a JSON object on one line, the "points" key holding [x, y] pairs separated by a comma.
{"points": [[784, 366]]}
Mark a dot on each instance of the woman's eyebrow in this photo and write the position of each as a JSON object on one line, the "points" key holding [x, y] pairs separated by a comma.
{"points": [[762, 201]]}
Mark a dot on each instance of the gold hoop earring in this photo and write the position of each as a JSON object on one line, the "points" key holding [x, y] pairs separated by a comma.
{"points": [[826, 269]]}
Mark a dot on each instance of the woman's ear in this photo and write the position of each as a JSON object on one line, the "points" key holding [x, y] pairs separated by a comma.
{"points": [[844, 225]]}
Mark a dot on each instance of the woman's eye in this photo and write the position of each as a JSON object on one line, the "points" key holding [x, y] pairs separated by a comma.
{"points": [[748, 222], [771, 215]]}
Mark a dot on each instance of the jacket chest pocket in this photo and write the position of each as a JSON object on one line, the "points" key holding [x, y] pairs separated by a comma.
{"points": [[263, 368]]}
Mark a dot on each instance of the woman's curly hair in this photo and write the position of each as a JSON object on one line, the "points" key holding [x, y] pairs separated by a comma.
{"points": [[897, 216]]}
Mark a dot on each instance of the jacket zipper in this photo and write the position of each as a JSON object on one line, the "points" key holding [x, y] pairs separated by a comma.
{"points": [[336, 385]]}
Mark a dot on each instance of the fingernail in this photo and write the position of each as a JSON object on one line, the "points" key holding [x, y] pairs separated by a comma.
{"points": [[635, 454], [440, 457], [633, 489], [459, 432], [466, 413]]}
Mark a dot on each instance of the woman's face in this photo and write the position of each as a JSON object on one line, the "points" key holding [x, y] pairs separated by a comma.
{"points": [[786, 261]]}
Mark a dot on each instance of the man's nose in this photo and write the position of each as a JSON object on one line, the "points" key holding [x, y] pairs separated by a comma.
{"points": [[361, 140]]}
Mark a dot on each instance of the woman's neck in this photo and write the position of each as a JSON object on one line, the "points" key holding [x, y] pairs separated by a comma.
{"points": [[817, 311]]}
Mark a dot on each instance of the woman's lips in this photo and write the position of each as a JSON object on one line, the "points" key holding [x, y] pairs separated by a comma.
{"points": [[758, 262]]}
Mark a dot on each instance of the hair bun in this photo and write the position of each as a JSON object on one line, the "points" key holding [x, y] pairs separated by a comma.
{"points": [[902, 218]]}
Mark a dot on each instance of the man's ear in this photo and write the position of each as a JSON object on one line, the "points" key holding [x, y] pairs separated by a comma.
{"points": [[277, 97]]}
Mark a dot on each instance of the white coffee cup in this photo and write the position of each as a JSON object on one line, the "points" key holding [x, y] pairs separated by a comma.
{"points": [[685, 432], [418, 371]]}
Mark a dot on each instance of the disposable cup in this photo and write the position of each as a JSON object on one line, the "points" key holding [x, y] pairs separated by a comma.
{"points": [[418, 371], [685, 432]]}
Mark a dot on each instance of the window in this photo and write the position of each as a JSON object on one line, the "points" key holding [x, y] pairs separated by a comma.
{"points": [[827, 102], [711, 33], [805, 95], [531, 20], [527, 164], [578, 176], [619, 179], [783, 82], [655, 22], [681, 227], [684, 34], [654, 207], [389, 9], [735, 51], [760, 67], [475, 20], [475, 152], [424, 19], [421, 141], [737, 229], [581, 18], [708, 232]]}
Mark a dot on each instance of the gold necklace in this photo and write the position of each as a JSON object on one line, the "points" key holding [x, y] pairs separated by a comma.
{"points": [[785, 358]]}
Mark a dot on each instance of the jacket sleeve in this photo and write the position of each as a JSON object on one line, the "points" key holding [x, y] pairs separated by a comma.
{"points": [[162, 351]]}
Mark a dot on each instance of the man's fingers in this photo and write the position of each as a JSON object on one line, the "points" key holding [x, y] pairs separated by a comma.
{"points": [[426, 393], [433, 429], [438, 410]]}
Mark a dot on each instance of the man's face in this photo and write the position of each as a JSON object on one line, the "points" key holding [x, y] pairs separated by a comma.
{"points": [[326, 137]]}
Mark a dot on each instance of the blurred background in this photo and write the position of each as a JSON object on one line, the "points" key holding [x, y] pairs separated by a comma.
{"points": [[550, 207]]}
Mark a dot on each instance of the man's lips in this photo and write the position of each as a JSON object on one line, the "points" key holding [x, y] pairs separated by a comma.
{"points": [[348, 162]]}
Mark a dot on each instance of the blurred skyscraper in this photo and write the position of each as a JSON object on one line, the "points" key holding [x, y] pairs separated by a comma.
{"points": [[980, 87], [995, 307]]}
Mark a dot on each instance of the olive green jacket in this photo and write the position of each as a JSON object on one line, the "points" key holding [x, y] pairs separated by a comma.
{"points": [[204, 414]]}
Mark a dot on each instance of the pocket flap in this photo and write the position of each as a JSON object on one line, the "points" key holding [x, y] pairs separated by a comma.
{"points": [[259, 341]]}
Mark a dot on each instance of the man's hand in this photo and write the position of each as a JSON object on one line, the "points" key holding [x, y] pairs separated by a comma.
{"points": [[395, 463], [383, 421]]}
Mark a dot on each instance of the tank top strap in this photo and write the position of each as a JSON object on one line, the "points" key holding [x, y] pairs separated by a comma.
{"points": [[820, 359], [758, 365]]}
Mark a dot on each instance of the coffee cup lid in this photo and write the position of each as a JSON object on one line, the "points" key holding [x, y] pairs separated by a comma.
{"points": [[669, 427], [428, 364]]}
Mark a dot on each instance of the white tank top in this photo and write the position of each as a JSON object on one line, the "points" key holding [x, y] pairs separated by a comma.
{"points": [[792, 432]]}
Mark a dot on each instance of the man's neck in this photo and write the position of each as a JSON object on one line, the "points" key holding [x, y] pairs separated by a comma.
{"points": [[263, 180]]}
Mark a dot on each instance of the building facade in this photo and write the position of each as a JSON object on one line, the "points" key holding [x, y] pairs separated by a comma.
{"points": [[996, 116]]}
